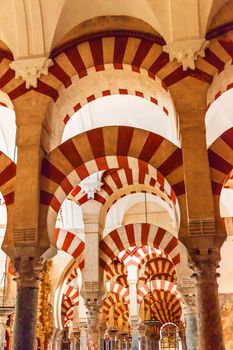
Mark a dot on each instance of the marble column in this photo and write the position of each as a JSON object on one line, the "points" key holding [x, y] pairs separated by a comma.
{"points": [[75, 341], [3, 319], [191, 329], [25, 321], [112, 339], [143, 339], [208, 310], [56, 339], [153, 342], [83, 337], [107, 342], [93, 334], [135, 337]]}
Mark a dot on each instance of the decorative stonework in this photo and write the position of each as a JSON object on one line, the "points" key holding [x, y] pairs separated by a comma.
{"points": [[90, 188], [45, 318], [186, 52], [31, 69], [201, 227]]}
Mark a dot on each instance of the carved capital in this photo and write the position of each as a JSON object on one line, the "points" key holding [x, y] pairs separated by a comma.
{"points": [[90, 188], [28, 270], [186, 52], [205, 265], [31, 69]]}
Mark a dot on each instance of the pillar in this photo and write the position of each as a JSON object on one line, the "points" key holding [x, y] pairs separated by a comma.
{"points": [[25, 321], [91, 273], [107, 341], [191, 330], [92, 324], [135, 337], [208, 310], [112, 339], [3, 319], [75, 341], [83, 337], [143, 338], [102, 330]]}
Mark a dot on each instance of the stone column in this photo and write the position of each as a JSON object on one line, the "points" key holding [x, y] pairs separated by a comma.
{"points": [[135, 336], [143, 340], [208, 309], [75, 340], [3, 319], [156, 341], [102, 330], [92, 324], [112, 339], [56, 339], [107, 341], [191, 329], [83, 337], [28, 270]]}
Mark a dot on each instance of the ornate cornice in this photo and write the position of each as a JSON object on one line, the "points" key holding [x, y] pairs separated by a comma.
{"points": [[106, 34]]}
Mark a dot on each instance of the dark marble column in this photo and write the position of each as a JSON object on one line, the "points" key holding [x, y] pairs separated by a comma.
{"points": [[208, 311], [24, 334]]}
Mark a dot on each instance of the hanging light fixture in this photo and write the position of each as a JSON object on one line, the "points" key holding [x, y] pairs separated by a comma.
{"points": [[152, 319]]}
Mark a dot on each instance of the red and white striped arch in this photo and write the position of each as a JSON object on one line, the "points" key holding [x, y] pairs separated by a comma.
{"points": [[119, 178], [157, 285], [73, 275], [69, 300], [132, 235], [220, 156], [152, 254], [165, 305], [118, 289], [129, 64], [117, 268], [110, 300], [72, 293], [71, 244], [140, 255], [159, 267], [79, 157], [7, 178]]}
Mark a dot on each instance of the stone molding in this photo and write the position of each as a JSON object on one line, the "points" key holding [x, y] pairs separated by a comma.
{"points": [[31, 69], [186, 52]]}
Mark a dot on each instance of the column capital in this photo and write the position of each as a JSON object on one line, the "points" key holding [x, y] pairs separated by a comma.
{"points": [[205, 264], [28, 270]]}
